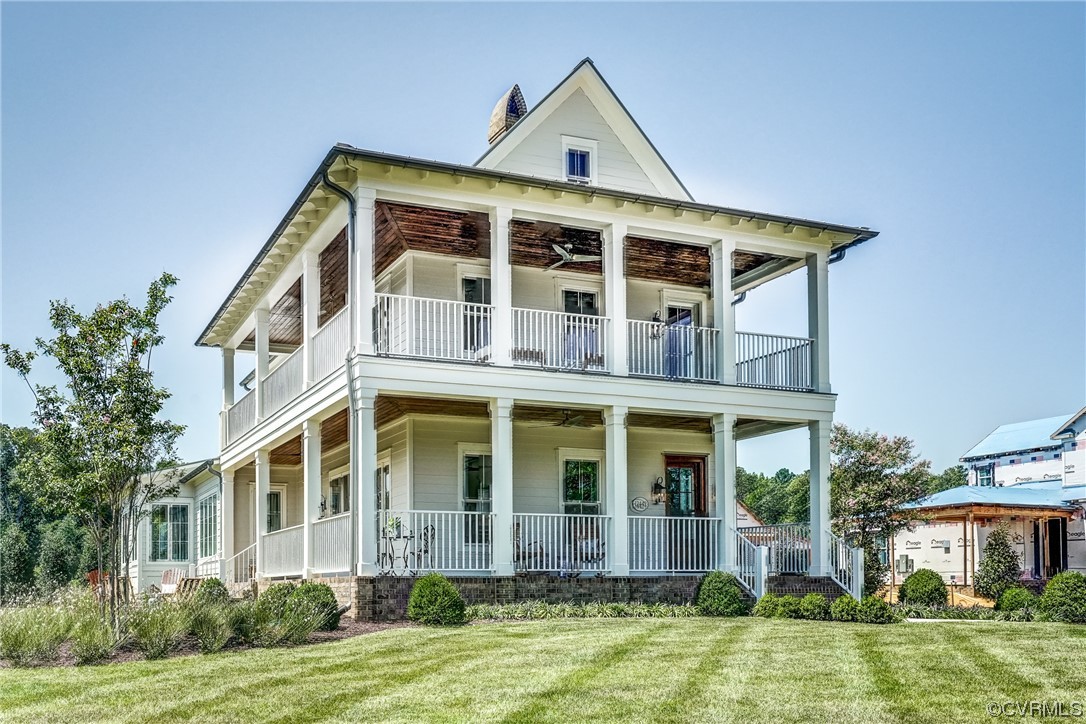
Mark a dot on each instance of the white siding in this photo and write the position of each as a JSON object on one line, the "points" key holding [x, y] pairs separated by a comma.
{"points": [[540, 153], [435, 464], [646, 450]]}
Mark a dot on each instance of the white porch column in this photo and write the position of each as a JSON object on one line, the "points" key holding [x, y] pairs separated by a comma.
{"points": [[724, 311], [227, 377], [363, 298], [311, 304], [501, 494], [724, 482], [501, 287], [311, 489], [820, 496], [818, 318], [263, 487], [365, 499], [226, 523], [616, 488], [614, 279], [261, 316]]}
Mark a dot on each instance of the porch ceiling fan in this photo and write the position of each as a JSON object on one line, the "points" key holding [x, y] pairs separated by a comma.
{"points": [[568, 420], [566, 252]]}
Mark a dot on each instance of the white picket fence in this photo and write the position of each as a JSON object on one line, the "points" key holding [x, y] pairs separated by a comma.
{"points": [[663, 544], [560, 543], [283, 552], [332, 544], [557, 340], [672, 351]]}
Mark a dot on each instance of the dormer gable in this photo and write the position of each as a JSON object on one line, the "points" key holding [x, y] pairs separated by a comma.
{"points": [[581, 132]]}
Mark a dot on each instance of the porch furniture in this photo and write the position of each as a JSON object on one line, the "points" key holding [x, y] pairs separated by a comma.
{"points": [[170, 578], [526, 555], [424, 553], [396, 551], [587, 546]]}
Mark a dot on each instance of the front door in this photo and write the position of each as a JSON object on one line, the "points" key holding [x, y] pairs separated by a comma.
{"points": [[685, 497], [681, 341], [476, 292], [582, 345]]}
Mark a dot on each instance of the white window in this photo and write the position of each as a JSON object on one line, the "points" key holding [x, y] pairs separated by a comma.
{"points": [[208, 510], [339, 494], [579, 159], [984, 475], [476, 490], [581, 483], [169, 533]]}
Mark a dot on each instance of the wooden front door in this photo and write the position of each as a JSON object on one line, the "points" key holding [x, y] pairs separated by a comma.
{"points": [[684, 497]]}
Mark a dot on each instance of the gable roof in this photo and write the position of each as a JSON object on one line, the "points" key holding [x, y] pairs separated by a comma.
{"points": [[1017, 437], [587, 78], [1073, 427], [1040, 494]]}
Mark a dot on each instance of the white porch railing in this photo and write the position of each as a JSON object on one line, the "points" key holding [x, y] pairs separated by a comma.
{"points": [[560, 341], [846, 566], [332, 544], [751, 564], [789, 546], [672, 351], [432, 328], [241, 417], [283, 552], [558, 542], [241, 568], [412, 541], [673, 545], [330, 344], [208, 568], [769, 360], [284, 383]]}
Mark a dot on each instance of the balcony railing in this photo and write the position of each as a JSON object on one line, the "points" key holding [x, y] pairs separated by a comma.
{"points": [[283, 552], [432, 328], [673, 545], [284, 383], [330, 344], [412, 541], [769, 360], [562, 543], [789, 546], [556, 340], [673, 351], [332, 544], [241, 418]]}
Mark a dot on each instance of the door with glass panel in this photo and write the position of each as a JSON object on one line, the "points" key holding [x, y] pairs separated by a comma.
{"points": [[476, 326], [680, 351], [685, 497], [582, 346], [584, 544], [275, 511], [478, 483]]}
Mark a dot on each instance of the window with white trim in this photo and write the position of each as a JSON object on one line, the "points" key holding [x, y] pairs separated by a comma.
{"points": [[581, 484], [579, 160], [984, 475], [208, 510], [169, 533], [339, 494]]}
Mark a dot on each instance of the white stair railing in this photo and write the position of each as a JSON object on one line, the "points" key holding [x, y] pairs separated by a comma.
{"points": [[673, 545], [751, 564], [283, 552], [432, 328], [770, 360], [557, 340], [332, 544], [672, 351], [846, 566], [241, 568], [558, 542], [414, 541], [789, 546], [330, 344]]}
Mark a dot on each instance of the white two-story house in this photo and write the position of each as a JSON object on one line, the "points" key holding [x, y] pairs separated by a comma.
{"points": [[515, 369]]}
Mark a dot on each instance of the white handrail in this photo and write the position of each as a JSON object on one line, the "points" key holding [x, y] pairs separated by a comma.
{"points": [[672, 351], [751, 564], [283, 552], [789, 546], [241, 568], [559, 542], [284, 383], [241, 417], [557, 340], [432, 328], [332, 544], [673, 545], [775, 361], [846, 566], [415, 541], [330, 344]]}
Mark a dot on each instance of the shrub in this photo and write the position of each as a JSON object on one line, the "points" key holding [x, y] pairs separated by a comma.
{"points": [[33, 634], [159, 628], [962, 613], [999, 565], [299, 619], [844, 608], [814, 607], [1016, 599], [272, 603], [766, 607], [1064, 598], [538, 610], [434, 600], [211, 591], [721, 595], [925, 587], [16, 564], [245, 620], [59, 553], [320, 595], [787, 607], [873, 609], [92, 637], [211, 625]]}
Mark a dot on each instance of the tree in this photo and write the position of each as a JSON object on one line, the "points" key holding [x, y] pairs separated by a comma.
{"points": [[871, 478], [953, 477], [103, 432], [16, 562], [60, 553], [1000, 567]]}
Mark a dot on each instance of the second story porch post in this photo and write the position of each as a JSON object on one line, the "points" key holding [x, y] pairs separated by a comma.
{"points": [[614, 280], [311, 302], [364, 454], [820, 496], [501, 449], [618, 553], [311, 489], [226, 526], [363, 298], [501, 287], [227, 392], [262, 464], [818, 318], [724, 310], [261, 315], [724, 483]]}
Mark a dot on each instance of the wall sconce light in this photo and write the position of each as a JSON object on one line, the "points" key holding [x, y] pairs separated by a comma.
{"points": [[658, 491]]}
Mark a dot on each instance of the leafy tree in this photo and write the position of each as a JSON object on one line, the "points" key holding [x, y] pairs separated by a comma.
{"points": [[1000, 567], [101, 435], [872, 477], [60, 553], [16, 562], [953, 477], [782, 498]]}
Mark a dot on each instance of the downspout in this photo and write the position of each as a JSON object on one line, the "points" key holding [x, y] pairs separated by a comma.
{"points": [[739, 298], [837, 256]]}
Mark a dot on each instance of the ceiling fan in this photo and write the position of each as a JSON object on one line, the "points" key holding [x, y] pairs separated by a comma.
{"points": [[568, 420], [566, 252]]}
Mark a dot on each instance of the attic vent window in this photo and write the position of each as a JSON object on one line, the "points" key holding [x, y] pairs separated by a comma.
{"points": [[580, 160]]}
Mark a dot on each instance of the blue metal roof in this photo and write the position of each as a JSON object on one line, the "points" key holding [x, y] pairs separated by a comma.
{"points": [[1040, 494], [1017, 437]]}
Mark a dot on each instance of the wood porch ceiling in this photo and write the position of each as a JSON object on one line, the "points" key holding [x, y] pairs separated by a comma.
{"points": [[284, 322], [333, 434], [400, 227]]}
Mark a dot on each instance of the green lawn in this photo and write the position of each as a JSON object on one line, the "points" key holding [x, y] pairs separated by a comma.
{"points": [[742, 670]]}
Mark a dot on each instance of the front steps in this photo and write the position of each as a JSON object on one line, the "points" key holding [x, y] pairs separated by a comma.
{"points": [[800, 586]]}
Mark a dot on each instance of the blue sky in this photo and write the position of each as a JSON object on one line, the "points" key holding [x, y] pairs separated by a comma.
{"points": [[139, 138]]}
